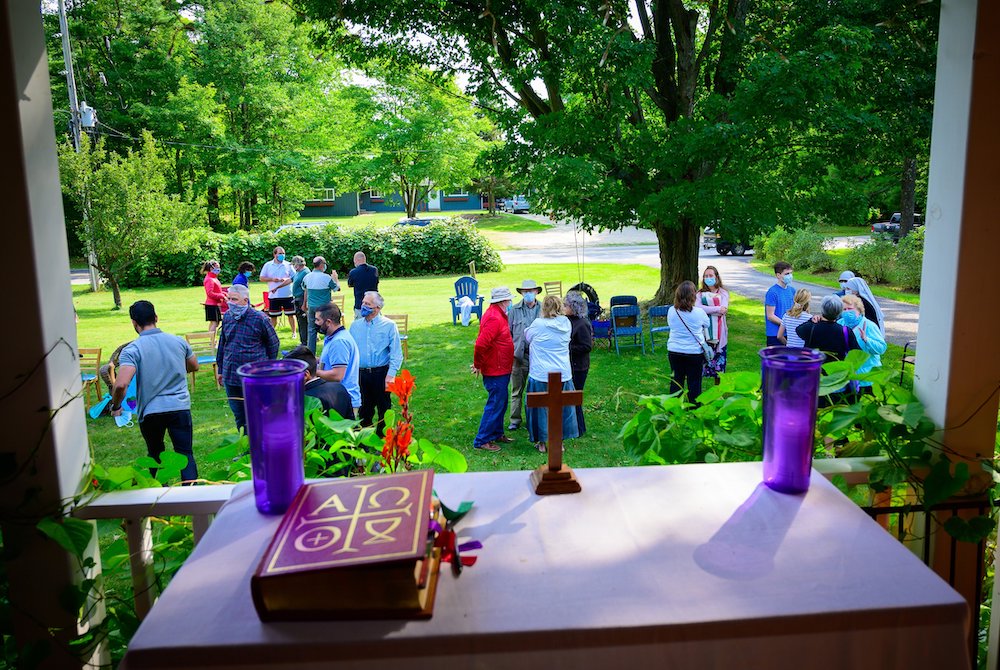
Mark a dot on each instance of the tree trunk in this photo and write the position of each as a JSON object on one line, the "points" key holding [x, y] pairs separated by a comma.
{"points": [[115, 290], [491, 202], [906, 200], [214, 219], [252, 210], [678, 245]]}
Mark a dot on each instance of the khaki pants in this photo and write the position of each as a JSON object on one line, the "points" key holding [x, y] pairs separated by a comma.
{"points": [[518, 381]]}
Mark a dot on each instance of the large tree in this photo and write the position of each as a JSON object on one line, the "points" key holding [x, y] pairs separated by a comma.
{"points": [[670, 114]]}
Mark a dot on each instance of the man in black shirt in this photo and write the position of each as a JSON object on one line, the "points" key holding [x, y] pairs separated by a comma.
{"points": [[333, 395], [363, 278]]}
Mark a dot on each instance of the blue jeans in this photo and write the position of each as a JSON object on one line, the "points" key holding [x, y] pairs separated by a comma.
{"points": [[234, 394], [491, 425], [311, 315], [538, 417]]}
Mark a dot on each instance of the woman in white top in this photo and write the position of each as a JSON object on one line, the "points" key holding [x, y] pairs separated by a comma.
{"points": [[686, 346], [548, 343], [793, 318]]}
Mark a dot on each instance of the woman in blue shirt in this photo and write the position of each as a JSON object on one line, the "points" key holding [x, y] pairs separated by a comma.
{"points": [[243, 274]]}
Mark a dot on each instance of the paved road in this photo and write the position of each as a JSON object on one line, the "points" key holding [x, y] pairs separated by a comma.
{"points": [[736, 272]]}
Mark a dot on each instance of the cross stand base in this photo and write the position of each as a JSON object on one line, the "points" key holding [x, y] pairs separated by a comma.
{"points": [[549, 482]]}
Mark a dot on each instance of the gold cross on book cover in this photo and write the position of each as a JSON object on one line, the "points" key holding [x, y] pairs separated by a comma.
{"points": [[360, 547]]}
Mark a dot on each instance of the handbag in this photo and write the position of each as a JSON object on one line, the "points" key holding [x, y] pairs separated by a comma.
{"points": [[706, 349]]}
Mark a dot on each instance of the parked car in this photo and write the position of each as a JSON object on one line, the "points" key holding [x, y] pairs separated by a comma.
{"points": [[708, 238], [421, 220], [302, 225], [517, 204], [711, 239], [891, 227]]}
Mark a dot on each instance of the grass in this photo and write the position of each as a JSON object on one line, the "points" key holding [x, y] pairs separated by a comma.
{"points": [[500, 223], [448, 401], [843, 231], [831, 278]]}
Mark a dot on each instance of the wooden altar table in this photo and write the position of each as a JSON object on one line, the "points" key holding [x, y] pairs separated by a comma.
{"points": [[692, 566]]}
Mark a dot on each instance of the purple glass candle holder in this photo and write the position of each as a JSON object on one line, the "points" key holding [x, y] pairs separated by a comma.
{"points": [[273, 395], [790, 388]]}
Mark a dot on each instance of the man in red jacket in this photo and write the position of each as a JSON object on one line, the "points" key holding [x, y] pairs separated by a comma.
{"points": [[494, 359]]}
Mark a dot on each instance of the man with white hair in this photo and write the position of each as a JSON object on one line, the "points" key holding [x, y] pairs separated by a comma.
{"points": [[246, 336], [380, 357], [362, 278]]}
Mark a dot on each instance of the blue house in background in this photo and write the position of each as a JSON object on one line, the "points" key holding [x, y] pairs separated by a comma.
{"points": [[327, 202]]}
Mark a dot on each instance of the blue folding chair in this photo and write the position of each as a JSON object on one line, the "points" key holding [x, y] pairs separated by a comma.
{"points": [[623, 300], [466, 286], [626, 320], [657, 312]]}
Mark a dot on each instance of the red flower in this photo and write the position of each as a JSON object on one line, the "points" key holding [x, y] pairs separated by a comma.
{"points": [[402, 386]]}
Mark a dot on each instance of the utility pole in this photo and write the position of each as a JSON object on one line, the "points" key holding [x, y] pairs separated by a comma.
{"points": [[74, 112]]}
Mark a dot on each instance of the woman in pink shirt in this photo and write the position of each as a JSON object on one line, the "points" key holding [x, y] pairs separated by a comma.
{"points": [[714, 299], [215, 297]]}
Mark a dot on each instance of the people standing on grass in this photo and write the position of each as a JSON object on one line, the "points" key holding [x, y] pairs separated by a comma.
{"points": [[521, 315], [714, 299], [777, 301], [493, 358], [244, 272], [318, 287], [298, 296], [686, 344], [215, 297], [246, 336], [548, 338], [380, 355], [339, 361], [869, 337], [160, 363], [278, 274], [873, 312], [793, 318], [363, 278], [581, 342]]}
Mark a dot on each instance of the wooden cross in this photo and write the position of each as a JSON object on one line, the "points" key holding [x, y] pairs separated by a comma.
{"points": [[556, 477]]}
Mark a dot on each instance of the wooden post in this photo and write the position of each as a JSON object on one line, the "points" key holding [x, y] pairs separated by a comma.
{"points": [[555, 477]]}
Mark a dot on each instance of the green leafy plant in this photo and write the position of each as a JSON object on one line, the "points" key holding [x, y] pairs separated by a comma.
{"points": [[874, 260]]}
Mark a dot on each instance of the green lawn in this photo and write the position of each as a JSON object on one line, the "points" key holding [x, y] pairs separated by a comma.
{"points": [[831, 279], [448, 400], [501, 223], [843, 231]]}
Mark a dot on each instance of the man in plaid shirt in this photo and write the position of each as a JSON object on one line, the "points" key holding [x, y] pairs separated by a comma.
{"points": [[246, 336]]}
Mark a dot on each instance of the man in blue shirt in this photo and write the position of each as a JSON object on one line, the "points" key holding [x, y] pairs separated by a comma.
{"points": [[160, 363], [339, 360], [381, 356], [362, 278], [318, 287], [779, 299]]}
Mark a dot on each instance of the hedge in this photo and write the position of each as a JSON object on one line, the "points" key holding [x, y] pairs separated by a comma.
{"points": [[398, 251]]}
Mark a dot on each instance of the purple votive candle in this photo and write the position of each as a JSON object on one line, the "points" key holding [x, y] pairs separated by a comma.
{"points": [[790, 388], [273, 395]]}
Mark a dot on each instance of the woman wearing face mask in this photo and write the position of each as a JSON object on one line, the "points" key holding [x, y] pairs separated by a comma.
{"points": [[859, 287], [713, 297], [243, 274], [869, 337], [581, 342], [215, 298]]}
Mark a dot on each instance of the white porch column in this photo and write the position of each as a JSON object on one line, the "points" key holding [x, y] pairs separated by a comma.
{"points": [[43, 451], [958, 365]]}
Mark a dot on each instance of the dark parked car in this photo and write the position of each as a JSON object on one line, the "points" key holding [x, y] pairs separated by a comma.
{"points": [[891, 227], [710, 239]]}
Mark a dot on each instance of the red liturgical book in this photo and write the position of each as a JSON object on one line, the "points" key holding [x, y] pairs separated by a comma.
{"points": [[353, 548]]}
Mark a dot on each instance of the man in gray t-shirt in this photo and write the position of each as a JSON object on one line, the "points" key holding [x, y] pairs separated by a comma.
{"points": [[160, 363]]}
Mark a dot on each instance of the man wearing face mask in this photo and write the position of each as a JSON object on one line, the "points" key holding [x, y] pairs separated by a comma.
{"points": [[160, 363], [493, 358], [339, 361], [246, 337], [278, 274], [778, 300], [520, 317], [380, 357]]}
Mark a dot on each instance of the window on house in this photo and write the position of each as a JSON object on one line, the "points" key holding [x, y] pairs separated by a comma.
{"points": [[376, 195], [324, 194], [457, 194]]}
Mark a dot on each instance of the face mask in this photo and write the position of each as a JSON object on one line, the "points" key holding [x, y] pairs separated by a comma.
{"points": [[709, 281], [247, 274], [124, 420], [215, 271], [237, 310], [506, 308], [366, 310], [529, 298], [788, 279], [850, 319], [280, 257]]}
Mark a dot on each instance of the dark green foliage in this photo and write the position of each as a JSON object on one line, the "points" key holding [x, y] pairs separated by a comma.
{"points": [[398, 251], [909, 260], [874, 260], [803, 248]]}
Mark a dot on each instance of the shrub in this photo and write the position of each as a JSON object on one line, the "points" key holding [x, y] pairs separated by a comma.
{"points": [[398, 251], [808, 251], [774, 246], [909, 260], [874, 260]]}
